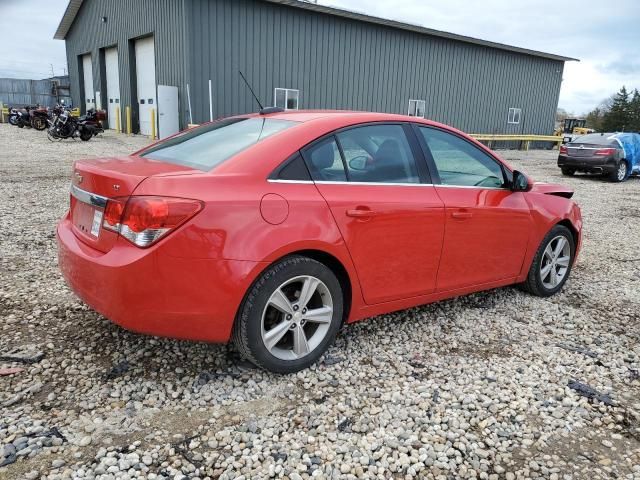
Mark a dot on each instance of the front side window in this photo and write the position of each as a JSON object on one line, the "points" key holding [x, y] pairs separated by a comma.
{"points": [[210, 145], [514, 115], [378, 153], [460, 163], [287, 98], [417, 108]]}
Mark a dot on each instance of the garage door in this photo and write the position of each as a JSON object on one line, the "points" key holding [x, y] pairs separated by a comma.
{"points": [[146, 82], [87, 70], [113, 85]]}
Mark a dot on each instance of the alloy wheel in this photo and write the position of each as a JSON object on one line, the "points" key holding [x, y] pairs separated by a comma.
{"points": [[622, 171], [297, 317], [555, 262]]}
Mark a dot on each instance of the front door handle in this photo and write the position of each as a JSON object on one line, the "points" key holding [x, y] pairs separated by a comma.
{"points": [[360, 212], [462, 214]]}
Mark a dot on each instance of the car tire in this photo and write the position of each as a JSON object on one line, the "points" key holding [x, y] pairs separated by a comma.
{"points": [[293, 335], [568, 172], [620, 174], [547, 274]]}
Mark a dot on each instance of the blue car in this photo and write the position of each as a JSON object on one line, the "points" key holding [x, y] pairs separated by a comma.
{"points": [[615, 155]]}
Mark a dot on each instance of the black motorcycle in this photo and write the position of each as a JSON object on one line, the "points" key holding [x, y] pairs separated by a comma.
{"points": [[24, 118], [65, 125]]}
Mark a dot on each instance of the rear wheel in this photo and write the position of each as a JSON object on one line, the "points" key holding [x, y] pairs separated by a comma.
{"points": [[86, 134], [290, 315], [552, 263], [39, 123], [568, 172], [620, 173]]}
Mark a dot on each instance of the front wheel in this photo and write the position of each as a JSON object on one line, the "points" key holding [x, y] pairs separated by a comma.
{"points": [[290, 315], [552, 263], [620, 173]]}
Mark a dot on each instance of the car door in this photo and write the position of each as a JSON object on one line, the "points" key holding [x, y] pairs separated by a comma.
{"points": [[376, 184], [487, 225]]}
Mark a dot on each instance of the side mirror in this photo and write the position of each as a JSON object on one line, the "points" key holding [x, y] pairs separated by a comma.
{"points": [[358, 163], [520, 182]]}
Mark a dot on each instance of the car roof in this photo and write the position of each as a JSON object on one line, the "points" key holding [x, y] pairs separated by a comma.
{"points": [[349, 116]]}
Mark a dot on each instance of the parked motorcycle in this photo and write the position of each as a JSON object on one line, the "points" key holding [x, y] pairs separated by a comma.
{"points": [[65, 125], [14, 113], [24, 118], [39, 118]]}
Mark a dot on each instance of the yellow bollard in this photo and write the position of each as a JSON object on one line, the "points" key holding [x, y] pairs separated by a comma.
{"points": [[128, 112], [153, 124], [118, 119]]}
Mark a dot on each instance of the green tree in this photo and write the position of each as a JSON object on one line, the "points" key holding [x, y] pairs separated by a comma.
{"points": [[634, 111], [618, 118]]}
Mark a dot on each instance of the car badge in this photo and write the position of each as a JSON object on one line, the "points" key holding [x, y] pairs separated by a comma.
{"points": [[116, 187], [581, 147], [78, 177]]}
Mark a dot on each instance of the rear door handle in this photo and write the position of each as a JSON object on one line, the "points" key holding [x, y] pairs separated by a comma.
{"points": [[360, 213], [461, 215]]}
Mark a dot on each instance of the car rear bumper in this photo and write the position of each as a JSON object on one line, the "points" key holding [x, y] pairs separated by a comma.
{"points": [[151, 292], [590, 164]]}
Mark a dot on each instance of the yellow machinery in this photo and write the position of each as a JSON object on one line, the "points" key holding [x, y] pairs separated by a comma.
{"points": [[571, 128]]}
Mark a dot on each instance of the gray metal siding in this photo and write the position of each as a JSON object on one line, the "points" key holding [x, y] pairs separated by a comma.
{"points": [[335, 62], [20, 92], [338, 63], [127, 20]]}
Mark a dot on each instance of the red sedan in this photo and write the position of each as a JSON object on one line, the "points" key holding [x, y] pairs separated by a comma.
{"points": [[272, 230]]}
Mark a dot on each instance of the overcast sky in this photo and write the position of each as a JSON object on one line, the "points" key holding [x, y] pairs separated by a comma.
{"points": [[605, 36]]}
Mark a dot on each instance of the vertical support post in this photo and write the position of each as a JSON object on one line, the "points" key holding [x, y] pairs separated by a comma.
{"points": [[210, 103], [1, 112], [189, 100], [118, 129], [128, 120], [153, 124]]}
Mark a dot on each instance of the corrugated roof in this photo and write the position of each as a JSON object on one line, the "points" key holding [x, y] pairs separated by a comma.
{"points": [[74, 6]]}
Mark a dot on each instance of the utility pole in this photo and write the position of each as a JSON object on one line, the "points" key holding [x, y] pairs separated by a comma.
{"points": [[52, 74]]}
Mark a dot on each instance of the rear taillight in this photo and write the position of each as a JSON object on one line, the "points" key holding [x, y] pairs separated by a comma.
{"points": [[144, 220], [563, 150], [605, 151]]}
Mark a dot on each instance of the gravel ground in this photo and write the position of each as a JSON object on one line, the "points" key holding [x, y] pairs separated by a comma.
{"points": [[476, 387]]}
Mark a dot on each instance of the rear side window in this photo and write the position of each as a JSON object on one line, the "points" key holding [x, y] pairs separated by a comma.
{"points": [[379, 154], [206, 147], [370, 154], [324, 161], [460, 163]]}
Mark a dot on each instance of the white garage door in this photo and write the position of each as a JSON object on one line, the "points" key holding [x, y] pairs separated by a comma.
{"points": [[146, 82], [113, 85], [87, 71]]}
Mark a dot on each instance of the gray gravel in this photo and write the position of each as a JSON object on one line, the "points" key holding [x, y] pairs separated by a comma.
{"points": [[476, 387]]}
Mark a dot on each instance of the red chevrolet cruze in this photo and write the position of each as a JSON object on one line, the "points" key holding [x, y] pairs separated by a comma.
{"points": [[274, 229]]}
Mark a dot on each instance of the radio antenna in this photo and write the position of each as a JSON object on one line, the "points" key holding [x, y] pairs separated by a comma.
{"points": [[251, 90]]}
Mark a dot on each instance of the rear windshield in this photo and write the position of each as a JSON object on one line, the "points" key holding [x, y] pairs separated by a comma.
{"points": [[208, 146], [596, 139]]}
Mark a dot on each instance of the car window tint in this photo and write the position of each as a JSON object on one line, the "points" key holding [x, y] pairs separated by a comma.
{"points": [[596, 139], [460, 163], [324, 161], [378, 153], [210, 145]]}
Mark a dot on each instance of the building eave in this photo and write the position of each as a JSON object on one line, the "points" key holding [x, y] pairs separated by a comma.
{"points": [[67, 19]]}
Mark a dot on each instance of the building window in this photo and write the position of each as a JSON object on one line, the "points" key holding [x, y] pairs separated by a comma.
{"points": [[514, 115], [417, 108], [287, 98]]}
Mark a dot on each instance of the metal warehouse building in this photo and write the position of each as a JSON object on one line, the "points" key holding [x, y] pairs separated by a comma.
{"points": [[180, 59]]}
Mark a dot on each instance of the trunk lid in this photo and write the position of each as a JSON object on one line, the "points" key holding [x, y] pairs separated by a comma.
{"points": [[95, 181]]}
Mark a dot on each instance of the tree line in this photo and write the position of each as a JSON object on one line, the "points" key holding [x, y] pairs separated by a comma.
{"points": [[619, 113]]}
